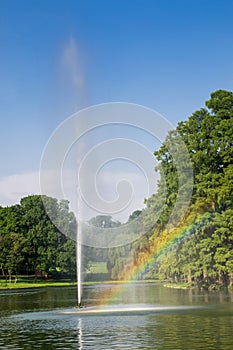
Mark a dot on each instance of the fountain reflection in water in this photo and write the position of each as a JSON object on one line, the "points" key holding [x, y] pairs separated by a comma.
{"points": [[80, 334]]}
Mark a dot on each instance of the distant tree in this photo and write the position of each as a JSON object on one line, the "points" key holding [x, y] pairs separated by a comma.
{"points": [[104, 221], [135, 215]]}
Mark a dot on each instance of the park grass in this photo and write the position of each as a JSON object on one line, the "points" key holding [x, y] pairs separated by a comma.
{"points": [[98, 267], [29, 282]]}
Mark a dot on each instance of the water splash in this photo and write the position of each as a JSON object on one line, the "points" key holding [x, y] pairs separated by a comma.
{"points": [[128, 309]]}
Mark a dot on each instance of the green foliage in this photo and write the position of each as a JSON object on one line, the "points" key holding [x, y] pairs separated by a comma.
{"points": [[206, 258], [104, 221], [30, 243], [199, 251]]}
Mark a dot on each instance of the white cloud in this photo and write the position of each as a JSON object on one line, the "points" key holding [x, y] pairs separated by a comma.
{"points": [[105, 195], [15, 187]]}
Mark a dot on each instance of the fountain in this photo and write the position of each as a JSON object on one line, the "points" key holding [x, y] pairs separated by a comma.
{"points": [[79, 252], [92, 141], [79, 270]]}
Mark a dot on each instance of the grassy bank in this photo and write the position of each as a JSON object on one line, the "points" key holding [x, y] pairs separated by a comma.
{"points": [[30, 282], [215, 288]]}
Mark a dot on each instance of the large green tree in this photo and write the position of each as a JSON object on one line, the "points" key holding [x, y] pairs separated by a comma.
{"points": [[204, 255], [31, 243], [208, 135]]}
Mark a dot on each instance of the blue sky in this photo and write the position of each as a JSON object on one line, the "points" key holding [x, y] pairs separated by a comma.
{"points": [[57, 57]]}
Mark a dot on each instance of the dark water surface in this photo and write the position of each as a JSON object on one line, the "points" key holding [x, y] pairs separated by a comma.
{"points": [[150, 317]]}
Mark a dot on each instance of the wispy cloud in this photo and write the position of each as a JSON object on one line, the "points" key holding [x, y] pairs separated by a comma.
{"points": [[136, 187], [15, 187]]}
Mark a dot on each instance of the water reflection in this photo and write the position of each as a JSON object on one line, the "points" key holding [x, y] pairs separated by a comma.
{"points": [[35, 320], [80, 333]]}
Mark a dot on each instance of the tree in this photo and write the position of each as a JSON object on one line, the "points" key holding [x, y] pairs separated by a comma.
{"points": [[202, 244], [208, 134], [31, 243], [12, 241]]}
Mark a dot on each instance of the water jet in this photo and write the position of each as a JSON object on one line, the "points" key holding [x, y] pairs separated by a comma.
{"points": [[79, 263]]}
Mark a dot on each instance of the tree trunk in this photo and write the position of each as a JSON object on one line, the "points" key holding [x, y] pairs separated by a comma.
{"points": [[204, 275], [231, 279], [189, 277], [9, 274]]}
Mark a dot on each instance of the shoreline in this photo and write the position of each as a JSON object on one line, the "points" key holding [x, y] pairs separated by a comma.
{"points": [[44, 284], [187, 286], [56, 283]]}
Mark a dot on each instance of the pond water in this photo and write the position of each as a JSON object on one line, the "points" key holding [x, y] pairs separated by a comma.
{"points": [[140, 316]]}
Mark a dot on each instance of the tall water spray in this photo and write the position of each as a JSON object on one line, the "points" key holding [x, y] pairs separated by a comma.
{"points": [[79, 252], [79, 264], [90, 141]]}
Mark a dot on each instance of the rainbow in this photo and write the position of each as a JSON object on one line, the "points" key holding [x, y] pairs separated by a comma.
{"points": [[135, 271]]}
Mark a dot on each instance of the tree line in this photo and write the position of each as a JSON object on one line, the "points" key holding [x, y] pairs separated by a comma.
{"points": [[198, 251]]}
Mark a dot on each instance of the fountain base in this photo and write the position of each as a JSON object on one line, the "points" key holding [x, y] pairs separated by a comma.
{"points": [[125, 309]]}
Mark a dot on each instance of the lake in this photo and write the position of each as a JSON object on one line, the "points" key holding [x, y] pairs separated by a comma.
{"points": [[138, 316]]}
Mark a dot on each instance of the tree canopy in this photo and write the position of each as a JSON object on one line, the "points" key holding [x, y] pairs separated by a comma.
{"points": [[200, 249], [30, 243], [197, 250]]}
